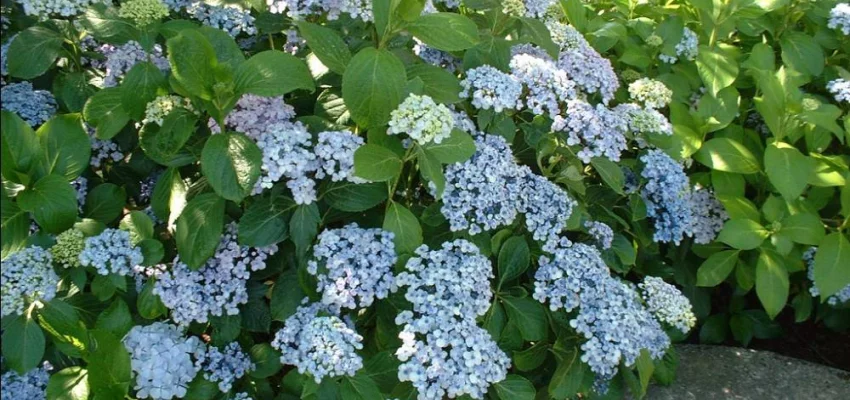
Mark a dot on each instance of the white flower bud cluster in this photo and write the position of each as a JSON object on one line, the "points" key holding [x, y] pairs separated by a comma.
{"points": [[229, 18], [26, 277], [601, 232], [224, 366], [319, 343], [667, 303], [422, 119], [69, 245], [219, 287], [598, 130], [644, 121], [111, 252], [44, 9], [120, 59], [839, 18], [708, 215], [29, 386], [35, 107], [253, 114], [840, 297], [548, 85], [490, 88], [353, 266], [688, 48], [443, 352], [588, 69], [161, 360], [653, 94], [840, 88], [160, 107]]}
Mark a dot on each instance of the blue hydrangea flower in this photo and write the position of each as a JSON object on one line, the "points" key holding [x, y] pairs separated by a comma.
{"points": [[111, 252], [335, 152], [840, 88], [33, 106], [598, 130], [839, 18], [601, 232], [229, 18], [842, 296], [225, 366], [301, 9], [548, 86], [161, 360], [26, 277], [667, 303], [120, 59], [490, 88], [44, 9], [253, 115], [287, 154], [688, 47], [667, 196], [708, 215], [588, 69], [29, 386], [430, 55]]}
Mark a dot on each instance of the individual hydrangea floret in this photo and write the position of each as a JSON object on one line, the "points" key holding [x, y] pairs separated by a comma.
{"points": [[253, 115], [160, 107], [26, 277], [33, 106], [218, 288], [120, 59], [161, 360], [601, 232], [546, 207], [111, 252], [229, 18], [688, 47], [840, 297], [319, 344], [69, 245], [548, 86], [225, 366], [422, 119], [840, 88], [588, 69], [708, 215], [667, 196], [335, 153], [44, 9], [599, 131], [353, 266], [287, 153], [667, 303], [490, 88], [653, 94], [143, 12], [839, 18], [29, 386]]}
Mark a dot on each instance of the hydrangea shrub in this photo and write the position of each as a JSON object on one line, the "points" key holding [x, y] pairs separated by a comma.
{"points": [[398, 199]]}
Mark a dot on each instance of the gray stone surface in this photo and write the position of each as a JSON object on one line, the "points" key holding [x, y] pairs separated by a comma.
{"points": [[719, 372]]}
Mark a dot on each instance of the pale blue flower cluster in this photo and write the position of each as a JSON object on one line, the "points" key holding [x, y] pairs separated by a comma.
{"points": [[294, 42], [229, 18], [161, 360], [688, 47], [33, 106], [538, 8], [530, 49], [840, 297], [652, 93], [353, 266], [4, 50], [601, 232], [80, 185], [490, 88], [547, 85], [708, 215], [301, 9], [44, 9], [241, 396], [120, 59], [224, 366], [563, 278], [443, 352], [839, 18], [103, 151], [29, 386], [667, 303], [253, 115], [588, 69], [319, 343], [111, 252], [489, 190], [422, 119], [335, 152], [219, 287], [286, 154], [599, 130], [840, 88], [430, 55], [26, 277], [666, 194]]}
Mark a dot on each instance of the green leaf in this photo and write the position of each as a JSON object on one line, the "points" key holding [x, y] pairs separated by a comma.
{"points": [[169, 196], [23, 344], [458, 147], [105, 203], [62, 322], [104, 24], [373, 86], [727, 155], [149, 305], [73, 90], [376, 163], [576, 14], [440, 84], [537, 33], [201, 389], [66, 146], [743, 234], [610, 172], [492, 51], [529, 316], [20, 148], [802, 53], [15, 226], [771, 282], [109, 366], [787, 169], [530, 358], [832, 265], [164, 144], [400, 221], [716, 69], [431, 170], [568, 377], [227, 52], [645, 368], [326, 44], [199, 228], [359, 387], [52, 202], [273, 73], [803, 228], [116, 319], [265, 222], [152, 251], [717, 267], [739, 207], [445, 31], [69, 384], [514, 258], [286, 296], [266, 360], [140, 86], [352, 197], [304, 226], [34, 49], [104, 110], [193, 62], [231, 163], [714, 329], [515, 387], [138, 224]]}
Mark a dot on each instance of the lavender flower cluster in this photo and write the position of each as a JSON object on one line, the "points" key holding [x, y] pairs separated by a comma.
{"points": [[218, 287], [33, 106], [353, 266], [599, 130], [111, 252], [29, 386], [44, 9], [229, 18], [601, 232], [120, 59], [26, 277], [224, 366], [589, 70]]}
